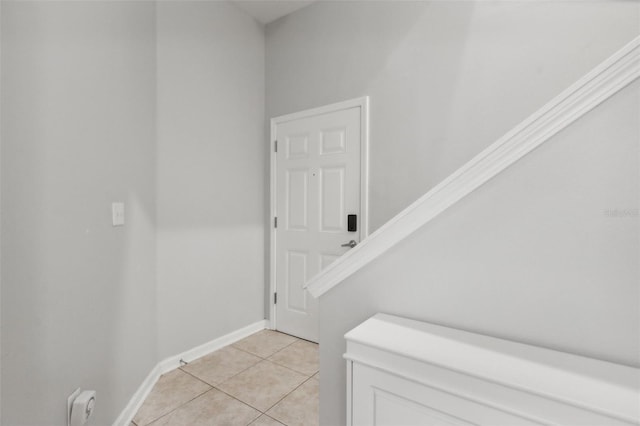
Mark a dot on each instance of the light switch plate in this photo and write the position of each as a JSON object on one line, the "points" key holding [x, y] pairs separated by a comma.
{"points": [[117, 213]]}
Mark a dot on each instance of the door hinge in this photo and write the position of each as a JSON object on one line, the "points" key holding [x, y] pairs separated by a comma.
{"points": [[275, 298], [275, 146], [275, 222]]}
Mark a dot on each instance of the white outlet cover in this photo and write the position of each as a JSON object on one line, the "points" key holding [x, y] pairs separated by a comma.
{"points": [[70, 400], [117, 213]]}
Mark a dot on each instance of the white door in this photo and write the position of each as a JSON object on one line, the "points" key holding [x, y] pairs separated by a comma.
{"points": [[318, 185]]}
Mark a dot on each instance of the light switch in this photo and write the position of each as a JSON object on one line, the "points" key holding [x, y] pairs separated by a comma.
{"points": [[117, 213]]}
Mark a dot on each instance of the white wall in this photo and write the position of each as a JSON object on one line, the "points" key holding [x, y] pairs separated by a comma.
{"points": [[532, 256], [113, 101], [446, 79], [78, 130], [0, 215], [210, 172]]}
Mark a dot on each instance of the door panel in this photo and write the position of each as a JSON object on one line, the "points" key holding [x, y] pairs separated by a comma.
{"points": [[297, 198], [332, 141], [332, 199], [296, 297], [297, 146], [317, 186]]}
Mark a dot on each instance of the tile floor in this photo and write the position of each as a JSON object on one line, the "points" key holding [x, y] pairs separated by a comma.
{"points": [[266, 379]]}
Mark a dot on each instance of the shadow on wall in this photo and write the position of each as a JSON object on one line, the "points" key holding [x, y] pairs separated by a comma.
{"points": [[210, 172], [395, 53], [446, 79], [78, 127], [405, 55], [533, 256]]}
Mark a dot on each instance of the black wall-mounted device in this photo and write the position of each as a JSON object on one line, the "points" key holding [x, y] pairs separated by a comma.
{"points": [[352, 222]]}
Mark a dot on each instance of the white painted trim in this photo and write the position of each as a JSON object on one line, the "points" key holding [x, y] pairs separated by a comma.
{"points": [[364, 167], [136, 401], [531, 381], [363, 104], [325, 109], [594, 88], [173, 362], [1, 352], [272, 234], [349, 392]]}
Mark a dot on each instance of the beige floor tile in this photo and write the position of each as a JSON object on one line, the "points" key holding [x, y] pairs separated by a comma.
{"points": [[172, 390], [221, 365], [262, 385], [300, 407], [265, 343], [265, 420], [301, 356], [214, 408]]}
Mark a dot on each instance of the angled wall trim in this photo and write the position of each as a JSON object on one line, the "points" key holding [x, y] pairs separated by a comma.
{"points": [[602, 82]]}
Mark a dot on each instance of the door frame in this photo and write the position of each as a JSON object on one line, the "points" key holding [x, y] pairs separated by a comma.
{"points": [[363, 104]]}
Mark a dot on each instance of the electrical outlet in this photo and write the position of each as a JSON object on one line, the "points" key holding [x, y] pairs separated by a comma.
{"points": [[70, 400]]}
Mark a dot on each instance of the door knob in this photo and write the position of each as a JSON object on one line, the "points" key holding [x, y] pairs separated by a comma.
{"points": [[350, 244]]}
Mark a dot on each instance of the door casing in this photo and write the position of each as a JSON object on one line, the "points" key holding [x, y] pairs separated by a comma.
{"points": [[363, 104]]}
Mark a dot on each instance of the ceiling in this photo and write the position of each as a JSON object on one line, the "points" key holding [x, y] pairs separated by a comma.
{"points": [[266, 11]]}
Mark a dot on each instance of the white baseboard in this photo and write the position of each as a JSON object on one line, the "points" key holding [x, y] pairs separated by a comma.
{"points": [[173, 362], [126, 416]]}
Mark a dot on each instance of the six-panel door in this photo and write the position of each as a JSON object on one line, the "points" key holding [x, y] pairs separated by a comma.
{"points": [[317, 186]]}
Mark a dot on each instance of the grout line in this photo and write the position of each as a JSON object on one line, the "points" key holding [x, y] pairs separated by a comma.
{"points": [[182, 367], [270, 355], [292, 391], [197, 378], [224, 392], [270, 407], [247, 352], [282, 349], [263, 414], [244, 402], [291, 369], [184, 403], [275, 420], [240, 372], [225, 380], [213, 386], [254, 420], [281, 422]]}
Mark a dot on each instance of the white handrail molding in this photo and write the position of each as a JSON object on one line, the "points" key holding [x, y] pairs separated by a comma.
{"points": [[606, 79]]}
